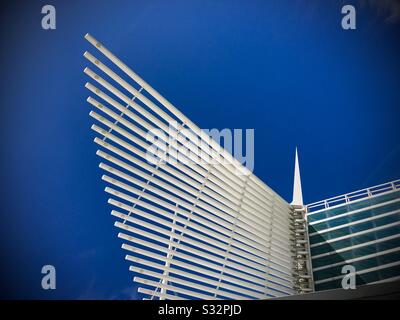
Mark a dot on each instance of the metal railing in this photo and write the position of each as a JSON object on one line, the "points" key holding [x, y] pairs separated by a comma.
{"points": [[353, 196]]}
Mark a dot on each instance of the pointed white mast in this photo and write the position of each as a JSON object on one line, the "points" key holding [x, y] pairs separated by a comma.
{"points": [[297, 193]]}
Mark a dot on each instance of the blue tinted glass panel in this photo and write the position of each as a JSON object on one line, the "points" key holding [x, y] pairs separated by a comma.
{"points": [[358, 252], [356, 216], [355, 228], [358, 265], [349, 242]]}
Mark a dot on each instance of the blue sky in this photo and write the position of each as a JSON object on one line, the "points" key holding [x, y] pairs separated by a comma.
{"points": [[285, 68]]}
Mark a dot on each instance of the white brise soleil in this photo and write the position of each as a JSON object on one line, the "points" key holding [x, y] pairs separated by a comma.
{"points": [[191, 229]]}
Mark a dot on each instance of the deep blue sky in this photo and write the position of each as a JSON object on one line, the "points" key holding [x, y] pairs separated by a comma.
{"points": [[285, 68]]}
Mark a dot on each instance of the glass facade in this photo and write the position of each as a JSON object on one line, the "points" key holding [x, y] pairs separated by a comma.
{"points": [[363, 233]]}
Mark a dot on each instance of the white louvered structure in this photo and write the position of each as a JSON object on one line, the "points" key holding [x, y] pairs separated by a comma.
{"points": [[190, 229]]}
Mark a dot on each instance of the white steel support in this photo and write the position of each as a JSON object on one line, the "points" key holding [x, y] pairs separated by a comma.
{"points": [[303, 266]]}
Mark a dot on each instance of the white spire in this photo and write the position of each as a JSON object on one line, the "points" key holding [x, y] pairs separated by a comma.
{"points": [[297, 193]]}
